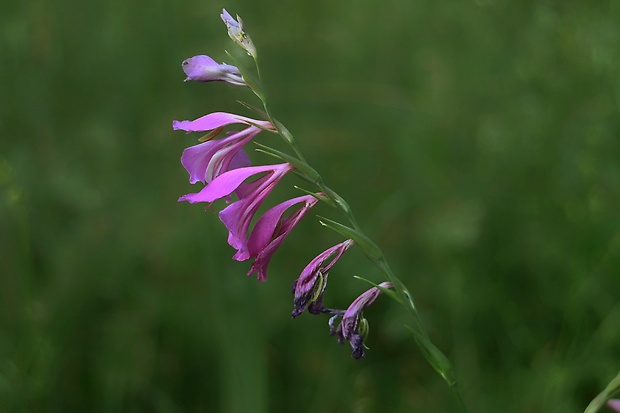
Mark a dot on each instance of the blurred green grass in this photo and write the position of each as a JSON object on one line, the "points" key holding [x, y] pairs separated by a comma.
{"points": [[477, 141]]}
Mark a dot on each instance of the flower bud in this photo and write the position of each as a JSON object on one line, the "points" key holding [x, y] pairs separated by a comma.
{"points": [[204, 69], [237, 33]]}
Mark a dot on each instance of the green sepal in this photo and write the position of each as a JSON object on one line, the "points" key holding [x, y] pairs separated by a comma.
{"points": [[612, 388], [248, 77], [212, 134], [388, 291], [254, 109], [318, 287], [408, 296], [362, 240], [283, 131], [340, 201], [259, 126], [363, 328], [280, 128], [435, 357], [318, 196], [304, 177], [301, 166]]}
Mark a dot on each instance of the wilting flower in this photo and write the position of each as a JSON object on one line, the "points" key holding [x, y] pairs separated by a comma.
{"points": [[354, 326], [205, 161], [238, 215], [237, 33], [310, 285], [202, 68], [271, 230], [614, 404]]}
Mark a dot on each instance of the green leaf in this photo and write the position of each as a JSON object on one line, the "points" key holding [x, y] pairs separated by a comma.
{"points": [[389, 292], [360, 239], [613, 387], [284, 131], [434, 356], [301, 166], [318, 196], [248, 77], [254, 109]]}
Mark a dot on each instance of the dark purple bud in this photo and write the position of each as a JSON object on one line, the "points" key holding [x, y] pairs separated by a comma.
{"points": [[354, 327], [311, 284]]}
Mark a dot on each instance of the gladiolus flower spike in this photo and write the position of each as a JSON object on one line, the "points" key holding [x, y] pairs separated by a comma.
{"points": [[224, 169]]}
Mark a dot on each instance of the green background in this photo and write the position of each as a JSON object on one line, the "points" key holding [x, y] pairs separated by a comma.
{"points": [[478, 143]]}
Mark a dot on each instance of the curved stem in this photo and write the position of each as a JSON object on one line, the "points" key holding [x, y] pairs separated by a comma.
{"points": [[459, 400], [434, 356], [612, 388]]}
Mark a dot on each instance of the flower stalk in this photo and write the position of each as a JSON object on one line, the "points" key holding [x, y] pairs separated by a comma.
{"points": [[605, 397], [223, 167], [433, 355]]}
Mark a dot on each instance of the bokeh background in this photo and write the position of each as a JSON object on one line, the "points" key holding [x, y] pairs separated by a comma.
{"points": [[477, 141]]}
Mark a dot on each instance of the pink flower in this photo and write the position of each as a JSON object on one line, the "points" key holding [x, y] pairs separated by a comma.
{"points": [[215, 120], [271, 230], [310, 285], [204, 69], [238, 215], [354, 327], [205, 161]]}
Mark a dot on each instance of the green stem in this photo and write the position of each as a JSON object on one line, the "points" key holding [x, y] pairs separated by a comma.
{"points": [[433, 355], [260, 79], [459, 400], [612, 388]]}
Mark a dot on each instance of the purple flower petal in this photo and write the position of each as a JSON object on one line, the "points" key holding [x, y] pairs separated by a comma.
{"points": [[226, 183], [271, 224], [614, 404], [237, 33], [238, 215], [271, 230], [204, 69], [216, 120], [314, 277], [349, 327], [228, 19], [240, 160], [207, 160]]}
